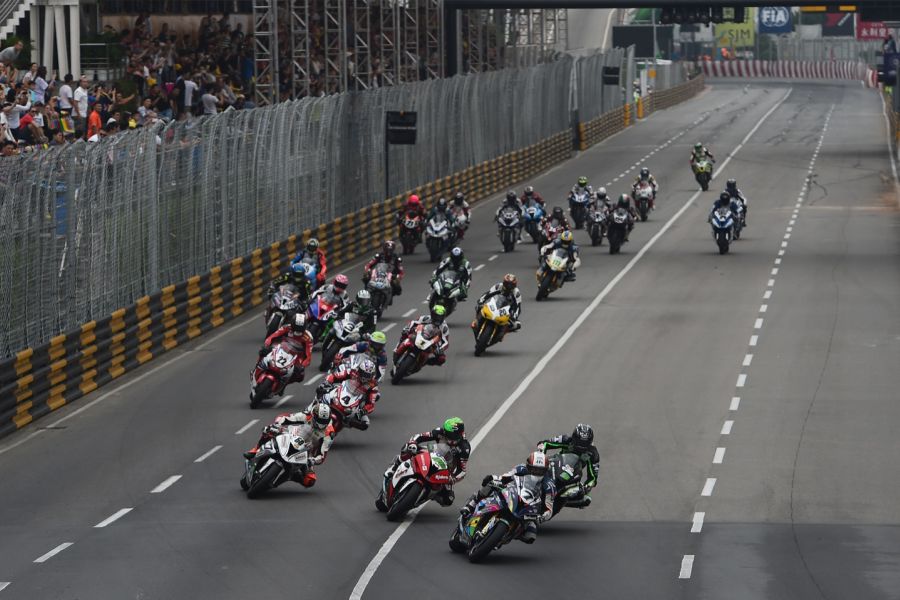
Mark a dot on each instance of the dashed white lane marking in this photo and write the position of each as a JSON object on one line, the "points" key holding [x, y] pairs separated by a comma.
{"points": [[775, 271], [424, 301], [479, 267], [735, 403], [621, 175], [777, 261], [165, 484], [708, 486], [4, 585], [207, 454], [249, 425], [409, 312], [697, 522], [113, 517], [741, 380], [763, 308], [388, 327], [283, 400], [792, 221], [790, 229], [748, 358], [758, 324], [719, 456], [726, 427], [781, 252], [53, 552], [754, 339], [687, 565], [319, 376], [770, 283], [784, 244], [767, 295], [491, 258]]}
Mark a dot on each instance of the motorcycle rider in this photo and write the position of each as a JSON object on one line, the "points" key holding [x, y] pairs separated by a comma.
{"points": [[412, 208], [452, 433], [529, 196], [460, 206], [456, 262], [565, 241], [364, 372], [362, 307], [337, 288], [581, 442], [624, 201], [295, 332], [315, 429], [372, 346], [556, 219], [732, 188], [700, 151], [389, 255], [312, 250], [295, 276], [441, 207], [507, 287], [645, 176], [581, 186], [725, 200], [436, 316], [512, 201], [600, 201], [535, 465]]}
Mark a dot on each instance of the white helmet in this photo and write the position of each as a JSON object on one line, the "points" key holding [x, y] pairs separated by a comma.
{"points": [[601, 193], [366, 370], [321, 416]]}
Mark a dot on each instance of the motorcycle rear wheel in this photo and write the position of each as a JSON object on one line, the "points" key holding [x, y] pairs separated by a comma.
{"points": [[543, 289], [483, 547], [275, 321], [400, 371], [405, 502], [263, 391]]}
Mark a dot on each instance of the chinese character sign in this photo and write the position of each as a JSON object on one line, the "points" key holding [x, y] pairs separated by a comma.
{"points": [[736, 35], [871, 30], [775, 19]]}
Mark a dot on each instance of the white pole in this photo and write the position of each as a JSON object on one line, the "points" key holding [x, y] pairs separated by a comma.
{"points": [[61, 49], [75, 32], [48, 40], [35, 33]]}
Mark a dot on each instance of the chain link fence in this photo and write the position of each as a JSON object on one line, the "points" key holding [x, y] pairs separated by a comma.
{"points": [[86, 229], [824, 49]]}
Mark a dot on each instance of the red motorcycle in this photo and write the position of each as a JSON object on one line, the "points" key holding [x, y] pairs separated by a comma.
{"points": [[414, 350], [321, 314], [417, 480], [347, 401], [550, 232], [410, 232], [274, 371]]}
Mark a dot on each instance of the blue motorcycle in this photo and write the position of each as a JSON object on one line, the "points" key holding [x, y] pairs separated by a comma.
{"points": [[533, 215], [722, 221]]}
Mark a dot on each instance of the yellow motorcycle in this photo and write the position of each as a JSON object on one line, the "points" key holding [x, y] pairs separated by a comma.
{"points": [[491, 323], [703, 171], [552, 273]]}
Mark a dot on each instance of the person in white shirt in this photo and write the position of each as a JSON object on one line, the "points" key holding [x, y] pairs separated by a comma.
{"points": [[189, 88], [80, 106], [15, 111], [65, 94], [210, 102]]}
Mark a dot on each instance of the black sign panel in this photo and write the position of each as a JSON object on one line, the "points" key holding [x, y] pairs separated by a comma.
{"points": [[401, 127], [642, 38]]}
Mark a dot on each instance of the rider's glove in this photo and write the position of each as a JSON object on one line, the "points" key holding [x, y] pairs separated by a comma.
{"points": [[323, 388], [317, 460], [272, 430], [411, 449]]}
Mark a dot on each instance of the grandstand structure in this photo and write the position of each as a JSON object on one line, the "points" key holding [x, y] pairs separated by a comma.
{"points": [[315, 47]]}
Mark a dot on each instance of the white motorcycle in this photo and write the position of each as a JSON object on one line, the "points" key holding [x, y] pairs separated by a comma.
{"points": [[438, 236], [344, 332], [279, 459]]}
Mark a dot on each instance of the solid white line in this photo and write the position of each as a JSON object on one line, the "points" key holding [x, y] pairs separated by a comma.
{"points": [[283, 400], [246, 427], [697, 522], [890, 150], [479, 267], [165, 484], [748, 358], [719, 456], [763, 308], [758, 324], [376, 561], [726, 427], [741, 380], [708, 486], [4, 585], [316, 378], [754, 339], [425, 301], [735, 403], [113, 517], [687, 565], [409, 312], [207, 454], [767, 295], [494, 257], [388, 327], [53, 552]]}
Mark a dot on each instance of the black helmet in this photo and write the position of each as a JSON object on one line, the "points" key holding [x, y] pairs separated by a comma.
{"points": [[582, 437], [459, 198], [645, 173], [363, 298], [510, 282], [312, 245], [731, 185], [387, 248], [725, 197], [456, 255], [442, 203], [557, 213], [298, 325], [510, 196]]}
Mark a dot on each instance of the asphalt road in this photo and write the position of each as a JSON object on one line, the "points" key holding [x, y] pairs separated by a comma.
{"points": [[803, 504]]}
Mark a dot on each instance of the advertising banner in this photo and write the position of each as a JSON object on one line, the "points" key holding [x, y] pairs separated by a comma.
{"points": [[838, 25], [871, 30], [775, 19], [736, 35]]}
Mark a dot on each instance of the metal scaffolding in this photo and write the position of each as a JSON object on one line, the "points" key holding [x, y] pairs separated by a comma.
{"points": [[300, 44], [265, 51]]}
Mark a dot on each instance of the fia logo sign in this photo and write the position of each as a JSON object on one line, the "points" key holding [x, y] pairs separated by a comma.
{"points": [[774, 16]]}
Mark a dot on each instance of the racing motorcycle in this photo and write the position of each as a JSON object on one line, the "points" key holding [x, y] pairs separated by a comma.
{"points": [[283, 305], [578, 207], [278, 460], [417, 480], [565, 467], [273, 371], [508, 228], [549, 232], [737, 207], [310, 268], [722, 221], [491, 323], [498, 519], [410, 232], [643, 198], [414, 350], [533, 215], [379, 286], [347, 400], [438, 236], [703, 171], [321, 314], [460, 221], [445, 290], [345, 332], [552, 273], [618, 227], [597, 224]]}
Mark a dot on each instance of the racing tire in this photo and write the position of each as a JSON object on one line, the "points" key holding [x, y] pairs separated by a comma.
{"points": [[262, 392], [484, 338], [483, 547], [543, 288], [265, 482], [405, 503], [275, 321], [329, 351], [400, 370], [455, 544]]}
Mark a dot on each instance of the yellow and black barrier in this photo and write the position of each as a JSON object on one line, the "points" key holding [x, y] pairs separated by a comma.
{"points": [[37, 381]]}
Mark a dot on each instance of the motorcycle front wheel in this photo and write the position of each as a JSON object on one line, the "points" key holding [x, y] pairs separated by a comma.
{"points": [[264, 482], [405, 502], [401, 369], [484, 337], [483, 547], [263, 390]]}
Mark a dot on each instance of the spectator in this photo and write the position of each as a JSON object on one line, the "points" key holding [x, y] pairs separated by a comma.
{"points": [[9, 148], [889, 47], [65, 94], [80, 106], [41, 83], [30, 74], [14, 112], [94, 123], [9, 55], [210, 101]]}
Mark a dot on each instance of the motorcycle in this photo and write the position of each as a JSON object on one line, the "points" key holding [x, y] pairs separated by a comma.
{"points": [[345, 332], [498, 519], [578, 204], [379, 286], [491, 323], [738, 210], [566, 470], [414, 350], [321, 314], [410, 232], [617, 230], [643, 198], [283, 305], [273, 372], [703, 171], [508, 224], [311, 270], [438, 236], [722, 222], [445, 291], [533, 215], [347, 400], [597, 225], [552, 273], [277, 461], [549, 233], [460, 221], [417, 480]]}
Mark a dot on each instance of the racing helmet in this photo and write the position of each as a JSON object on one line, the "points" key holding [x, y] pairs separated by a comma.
{"points": [[731, 185], [459, 198], [582, 181], [645, 173], [377, 339], [340, 283], [388, 247], [366, 371], [601, 194], [509, 282], [529, 191], [363, 297], [582, 437], [566, 238], [456, 255], [557, 213], [321, 415], [298, 324], [453, 429], [438, 312], [312, 245], [536, 463]]}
